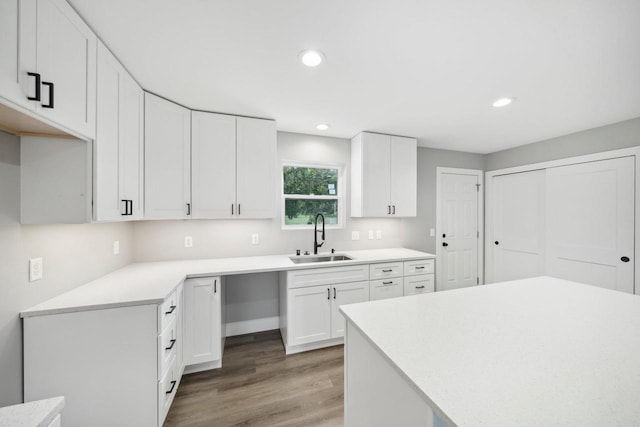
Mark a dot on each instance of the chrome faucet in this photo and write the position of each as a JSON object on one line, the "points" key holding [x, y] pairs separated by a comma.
{"points": [[315, 234]]}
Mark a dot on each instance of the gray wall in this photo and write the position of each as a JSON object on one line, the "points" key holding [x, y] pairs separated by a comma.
{"points": [[73, 255], [611, 137], [416, 230]]}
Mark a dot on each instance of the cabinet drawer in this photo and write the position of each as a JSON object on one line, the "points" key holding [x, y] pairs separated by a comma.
{"points": [[327, 276], [420, 266], [167, 311], [385, 288], [422, 284], [167, 347], [387, 269], [167, 388]]}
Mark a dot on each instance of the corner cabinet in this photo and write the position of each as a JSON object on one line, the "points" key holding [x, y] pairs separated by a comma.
{"points": [[234, 166], [167, 159], [49, 63], [384, 176], [118, 148]]}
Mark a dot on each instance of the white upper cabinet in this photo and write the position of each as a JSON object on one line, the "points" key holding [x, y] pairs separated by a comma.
{"points": [[233, 166], [384, 176], [49, 63], [167, 154], [118, 146]]}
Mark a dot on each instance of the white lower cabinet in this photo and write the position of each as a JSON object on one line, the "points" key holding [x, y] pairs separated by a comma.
{"points": [[204, 323], [342, 294], [386, 288], [422, 284]]}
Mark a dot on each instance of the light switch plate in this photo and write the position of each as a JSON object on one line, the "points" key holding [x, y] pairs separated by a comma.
{"points": [[370, 234], [116, 247], [35, 269], [355, 235], [378, 234], [255, 239], [188, 241], [432, 232]]}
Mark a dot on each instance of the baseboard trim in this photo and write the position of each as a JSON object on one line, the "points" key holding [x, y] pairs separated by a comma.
{"points": [[251, 326]]}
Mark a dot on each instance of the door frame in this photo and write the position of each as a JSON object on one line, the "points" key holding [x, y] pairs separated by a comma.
{"points": [[604, 155], [439, 253]]}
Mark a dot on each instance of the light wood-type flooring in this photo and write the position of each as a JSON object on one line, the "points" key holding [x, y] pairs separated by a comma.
{"points": [[259, 386]]}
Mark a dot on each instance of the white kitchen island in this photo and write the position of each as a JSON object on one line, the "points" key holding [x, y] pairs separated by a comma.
{"points": [[533, 352]]}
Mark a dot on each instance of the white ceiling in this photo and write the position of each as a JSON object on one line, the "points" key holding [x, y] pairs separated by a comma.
{"points": [[423, 68]]}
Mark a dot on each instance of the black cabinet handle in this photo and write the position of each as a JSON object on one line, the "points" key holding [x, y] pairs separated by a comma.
{"points": [[496, 243], [388, 209], [334, 293], [188, 209], [50, 86], [445, 244], [388, 283], [173, 342], [173, 308], [173, 385], [130, 207], [421, 267], [420, 287], [328, 293], [624, 259], [388, 270], [126, 207], [215, 286], [394, 210], [37, 97], [238, 208], [231, 208]]}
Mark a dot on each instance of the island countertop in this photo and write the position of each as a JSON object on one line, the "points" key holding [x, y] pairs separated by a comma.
{"points": [[533, 352]]}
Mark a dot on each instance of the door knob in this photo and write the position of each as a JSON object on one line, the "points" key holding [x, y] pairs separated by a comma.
{"points": [[496, 243], [624, 259], [445, 244]]}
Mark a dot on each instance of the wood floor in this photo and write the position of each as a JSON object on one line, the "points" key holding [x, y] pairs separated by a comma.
{"points": [[259, 386]]}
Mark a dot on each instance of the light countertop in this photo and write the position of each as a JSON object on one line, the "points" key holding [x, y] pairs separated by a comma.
{"points": [[533, 352], [152, 282], [38, 413]]}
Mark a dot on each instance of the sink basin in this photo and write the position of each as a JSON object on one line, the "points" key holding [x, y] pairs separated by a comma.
{"points": [[318, 258]]}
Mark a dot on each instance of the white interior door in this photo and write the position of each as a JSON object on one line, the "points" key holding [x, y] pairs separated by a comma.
{"points": [[517, 239], [590, 223], [458, 251]]}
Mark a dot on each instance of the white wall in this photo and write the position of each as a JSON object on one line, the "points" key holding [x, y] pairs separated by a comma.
{"points": [[73, 255]]}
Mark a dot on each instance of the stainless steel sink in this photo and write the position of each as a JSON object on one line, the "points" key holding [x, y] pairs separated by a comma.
{"points": [[318, 258]]}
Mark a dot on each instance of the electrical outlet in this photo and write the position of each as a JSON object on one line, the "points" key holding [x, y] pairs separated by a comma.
{"points": [[188, 241], [355, 235], [370, 234], [255, 239], [378, 234], [35, 269], [116, 247], [432, 232]]}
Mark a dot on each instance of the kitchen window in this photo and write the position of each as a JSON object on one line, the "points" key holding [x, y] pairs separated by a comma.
{"points": [[309, 189]]}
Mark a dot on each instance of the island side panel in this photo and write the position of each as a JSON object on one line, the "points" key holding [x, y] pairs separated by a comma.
{"points": [[376, 395], [104, 362]]}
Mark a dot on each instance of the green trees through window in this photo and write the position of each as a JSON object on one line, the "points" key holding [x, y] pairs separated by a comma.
{"points": [[309, 191]]}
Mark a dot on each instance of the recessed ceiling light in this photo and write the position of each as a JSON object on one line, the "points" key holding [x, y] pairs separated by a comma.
{"points": [[311, 58], [322, 126], [502, 102]]}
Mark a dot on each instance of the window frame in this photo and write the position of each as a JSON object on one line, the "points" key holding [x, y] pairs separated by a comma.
{"points": [[340, 197]]}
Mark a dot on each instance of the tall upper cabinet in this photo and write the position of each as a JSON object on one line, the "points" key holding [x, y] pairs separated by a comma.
{"points": [[118, 148], [48, 65], [384, 175], [167, 159], [233, 166]]}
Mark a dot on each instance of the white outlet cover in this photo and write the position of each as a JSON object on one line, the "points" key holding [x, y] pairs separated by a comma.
{"points": [[378, 234], [370, 234], [432, 232], [116, 247], [35, 269], [255, 239], [188, 241], [355, 235]]}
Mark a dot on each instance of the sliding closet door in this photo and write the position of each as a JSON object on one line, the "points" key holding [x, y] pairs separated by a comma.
{"points": [[517, 240], [590, 223]]}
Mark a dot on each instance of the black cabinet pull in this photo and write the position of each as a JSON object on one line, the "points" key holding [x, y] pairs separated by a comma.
{"points": [[50, 86], [421, 267], [328, 293], [496, 243], [173, 342], [624, 259], [173, 385], [394, 210], [188, 209], [420, 287], [215, 286], [334, 293], [231, 208], [37, 97], [388, 209], [238, 208], [445, 244], [130, 207], [388, 283], [173, 308], [126, 207], [389, 270]]}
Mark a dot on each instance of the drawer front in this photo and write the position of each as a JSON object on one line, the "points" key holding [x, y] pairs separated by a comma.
{"points": [[421, 266], [387, 269], [167, 311], [167, 388], [167, 347], [422, 284], [385, 288], [327, 276]]}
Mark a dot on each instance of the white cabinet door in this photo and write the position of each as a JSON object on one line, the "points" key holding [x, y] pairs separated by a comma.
{"points": [[213, 165], [309, 317], [202, 326], [167, 153], [342, 294], [131, 137], [66, 60], [590, 223], [376, 172], [404, 176], [180, 328], [256, 168], [517, 240]]}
